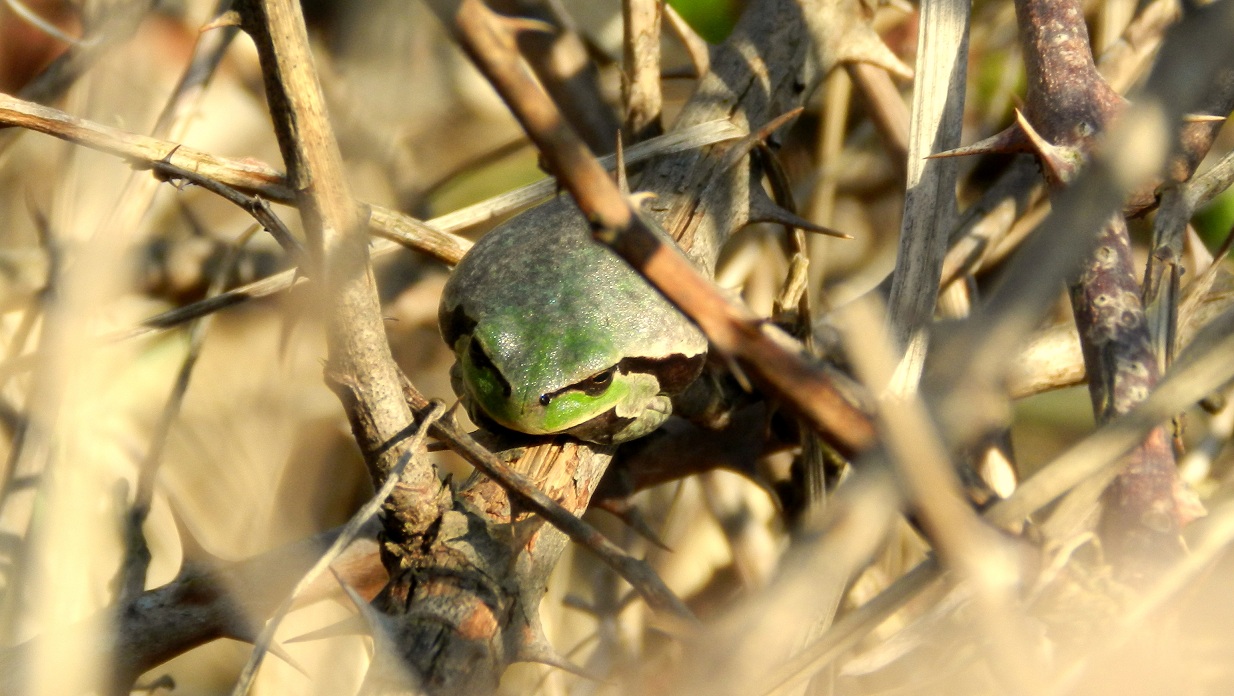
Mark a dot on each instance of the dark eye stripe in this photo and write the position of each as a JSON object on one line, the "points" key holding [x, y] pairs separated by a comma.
{"points": [[594, 385], [674, 373]]}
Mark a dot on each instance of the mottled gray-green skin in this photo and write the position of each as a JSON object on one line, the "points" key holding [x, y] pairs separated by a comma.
{"points": [[552, 307]]}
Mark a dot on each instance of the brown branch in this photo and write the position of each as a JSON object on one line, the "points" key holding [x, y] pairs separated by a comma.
{"points": [[570, 469], [206, 600], [435, 238], [248, 176], [559, 56], [1135, 149], [360, 365], [1143, 518], [1067, 100], [731, 329], [1069, 103], [978, 242], [1205, 364]]}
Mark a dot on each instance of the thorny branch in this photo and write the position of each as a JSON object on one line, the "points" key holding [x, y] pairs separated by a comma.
{"points": [[462, 606], [437, 238], [730, 328], [1068, 106], [490, 43], [360, 365], [1068, 103]]}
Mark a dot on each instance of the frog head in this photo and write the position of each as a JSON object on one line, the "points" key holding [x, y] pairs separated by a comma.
{"points": [[553, 334]]}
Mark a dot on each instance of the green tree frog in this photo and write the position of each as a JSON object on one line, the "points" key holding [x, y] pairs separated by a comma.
{"points": [[554, 334]]}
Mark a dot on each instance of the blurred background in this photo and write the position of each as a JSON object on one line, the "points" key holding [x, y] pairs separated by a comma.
{"points": [[260, 453]]}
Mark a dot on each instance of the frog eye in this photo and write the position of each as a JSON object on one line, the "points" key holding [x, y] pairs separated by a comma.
{"points": [[594, 385], [598, 383]]}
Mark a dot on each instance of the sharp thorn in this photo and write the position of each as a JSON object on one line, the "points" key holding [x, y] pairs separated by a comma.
{"points": [[1202, 118], [541, 653], [763, 209], [191, 549], [351, 626], [632, 517], [1007, 141], [373, 620], [533, 646], [742, 147], [1057, 163], [278, 651], [623, 182], [248, 635], [370, 616]]}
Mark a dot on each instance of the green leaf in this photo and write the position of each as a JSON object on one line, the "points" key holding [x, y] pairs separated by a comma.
{"points": [[712, 19], [1213, 221]]}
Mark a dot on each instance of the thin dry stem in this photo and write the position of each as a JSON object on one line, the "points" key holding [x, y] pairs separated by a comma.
{"points": [[929, 204], [360, 364], [641, 63]]}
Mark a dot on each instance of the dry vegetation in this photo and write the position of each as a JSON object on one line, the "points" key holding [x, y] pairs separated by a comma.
{"points": [[204, 380]]}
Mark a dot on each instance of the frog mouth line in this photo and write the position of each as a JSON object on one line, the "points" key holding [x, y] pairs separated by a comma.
{"points": [[601, 429]]}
